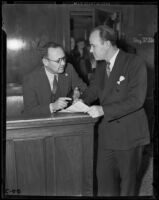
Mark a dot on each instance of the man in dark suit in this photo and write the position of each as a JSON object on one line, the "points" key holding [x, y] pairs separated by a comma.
{"points": [[120, 83], [49, 88]]}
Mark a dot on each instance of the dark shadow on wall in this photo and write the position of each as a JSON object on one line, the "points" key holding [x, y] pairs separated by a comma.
{"points": [[125, 46]]}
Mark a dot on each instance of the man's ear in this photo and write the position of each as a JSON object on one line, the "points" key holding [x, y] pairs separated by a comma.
{"points": [[107, 43], [45, 61]]}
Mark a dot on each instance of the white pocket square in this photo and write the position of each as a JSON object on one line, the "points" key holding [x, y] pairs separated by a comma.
{"points": [[121, 78]]}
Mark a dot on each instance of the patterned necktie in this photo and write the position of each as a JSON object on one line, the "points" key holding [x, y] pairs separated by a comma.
{"points": [[54, 85], [108, 68]]}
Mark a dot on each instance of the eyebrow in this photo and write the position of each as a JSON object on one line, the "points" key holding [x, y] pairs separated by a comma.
{"points": [[93, 44]]}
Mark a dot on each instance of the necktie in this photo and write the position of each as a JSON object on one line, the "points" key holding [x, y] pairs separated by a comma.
{"points": [[108, 68], [54, 85]]}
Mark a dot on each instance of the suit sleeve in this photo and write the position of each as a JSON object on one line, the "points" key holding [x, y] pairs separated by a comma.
{"points": [[136, 93], [31, 102], [91, 93], [76, 80]]}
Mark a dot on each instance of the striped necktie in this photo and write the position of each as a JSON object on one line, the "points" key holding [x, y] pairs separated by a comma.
{"points": [[108, 68]]}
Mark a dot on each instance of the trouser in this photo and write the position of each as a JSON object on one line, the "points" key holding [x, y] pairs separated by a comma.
{"points": [[117, 171]]}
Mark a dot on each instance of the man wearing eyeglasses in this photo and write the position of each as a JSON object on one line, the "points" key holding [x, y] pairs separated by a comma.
{"points": [[49, 88]]}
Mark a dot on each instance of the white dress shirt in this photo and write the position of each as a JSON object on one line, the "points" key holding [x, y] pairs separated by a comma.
{"points": [[112, 60], [50, 77]]}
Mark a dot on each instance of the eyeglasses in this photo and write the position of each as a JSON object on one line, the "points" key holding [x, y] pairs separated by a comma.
{"points": [[58, 60]]}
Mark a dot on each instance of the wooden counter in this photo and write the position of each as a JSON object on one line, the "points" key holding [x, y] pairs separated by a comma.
{"points": [[50, 156]]}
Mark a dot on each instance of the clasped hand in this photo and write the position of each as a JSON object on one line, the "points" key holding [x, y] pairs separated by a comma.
{"points": [[95, 111]]}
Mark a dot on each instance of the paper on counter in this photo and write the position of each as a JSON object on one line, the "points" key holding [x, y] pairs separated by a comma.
{"points": [[76, 107]]}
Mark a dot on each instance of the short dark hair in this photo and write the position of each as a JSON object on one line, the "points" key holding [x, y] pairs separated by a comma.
{"points": [[80, 40], [106, 33], [49, 45]]}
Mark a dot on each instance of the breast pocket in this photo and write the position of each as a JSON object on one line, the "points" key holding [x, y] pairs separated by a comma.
{"points": [[121, 89]]}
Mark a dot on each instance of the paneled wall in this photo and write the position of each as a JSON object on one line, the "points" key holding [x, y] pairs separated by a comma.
{"points": [[35, 24]]}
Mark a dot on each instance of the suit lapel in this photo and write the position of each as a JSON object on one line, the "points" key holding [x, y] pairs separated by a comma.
{"points": [[45, 86], [114, 75], [101, 68], [62, 84]]}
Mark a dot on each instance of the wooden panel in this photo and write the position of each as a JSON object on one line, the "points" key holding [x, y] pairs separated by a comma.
{"points": [[147, 16], [51, 157], [35, 25], [11, 180], [50, 166], [49, 131], [87, 184], [15, 106], [66, 28], [50, 120], [30, 166], [68, 162]]}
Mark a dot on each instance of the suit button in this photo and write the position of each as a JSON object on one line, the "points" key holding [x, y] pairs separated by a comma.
{"points": [[117, 121]]}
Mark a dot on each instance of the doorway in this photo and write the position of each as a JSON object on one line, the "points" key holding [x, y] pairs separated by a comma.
{"points": [[81, 23]]}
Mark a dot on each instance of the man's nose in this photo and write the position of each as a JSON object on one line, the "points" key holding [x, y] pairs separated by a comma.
{"points": [[63, 62]]}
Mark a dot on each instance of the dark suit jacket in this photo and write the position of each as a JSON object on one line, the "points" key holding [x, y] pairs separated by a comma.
{"points": [[37, 90], [124, 124]]}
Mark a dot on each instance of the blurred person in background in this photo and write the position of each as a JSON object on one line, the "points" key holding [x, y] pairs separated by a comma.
{"points": [[79, 58]]}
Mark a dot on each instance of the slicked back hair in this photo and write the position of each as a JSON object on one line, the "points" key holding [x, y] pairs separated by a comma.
{"points": [[50, 45], [106, 33]]}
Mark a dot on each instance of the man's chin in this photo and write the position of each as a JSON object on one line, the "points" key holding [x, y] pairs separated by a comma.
{"points": [[96, 58], [60, 71]]}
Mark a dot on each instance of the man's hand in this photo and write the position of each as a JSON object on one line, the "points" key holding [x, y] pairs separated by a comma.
{"points": [[59, 104], [96, 111]]}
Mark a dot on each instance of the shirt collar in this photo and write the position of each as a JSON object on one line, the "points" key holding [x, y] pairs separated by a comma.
{"points": [[49, 74], [112, 60]]}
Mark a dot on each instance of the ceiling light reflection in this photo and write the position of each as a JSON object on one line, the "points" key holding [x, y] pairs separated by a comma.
{"points": [[15, 44]]}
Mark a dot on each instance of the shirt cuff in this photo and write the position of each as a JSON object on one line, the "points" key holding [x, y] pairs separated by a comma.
{"points": [[52, 110]]}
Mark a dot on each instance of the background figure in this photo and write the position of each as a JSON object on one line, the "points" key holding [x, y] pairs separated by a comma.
{"points": [[93, 67], [79, 58], [72, 55], [73, 43]]}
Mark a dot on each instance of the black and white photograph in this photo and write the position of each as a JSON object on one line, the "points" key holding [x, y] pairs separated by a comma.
{"points": [[79, 100]]}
